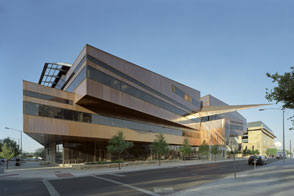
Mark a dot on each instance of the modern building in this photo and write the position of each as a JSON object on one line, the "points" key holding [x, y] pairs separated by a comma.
{"points": [[76, 108], [258, 137], [222, 129]]}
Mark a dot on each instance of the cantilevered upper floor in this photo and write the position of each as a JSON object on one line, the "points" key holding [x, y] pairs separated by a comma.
{"points": [[107, 84]]}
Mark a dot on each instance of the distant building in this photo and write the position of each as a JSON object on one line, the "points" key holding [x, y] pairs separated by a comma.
{"points": [[221, 129], [258, 137]]}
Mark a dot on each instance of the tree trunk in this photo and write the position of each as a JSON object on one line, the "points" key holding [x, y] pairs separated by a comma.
{"points": [[118, 161], [159, 160], [6, 164]]}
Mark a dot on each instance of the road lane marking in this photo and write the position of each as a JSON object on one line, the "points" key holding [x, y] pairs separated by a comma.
{"points": [[52, 191], [118, 175], [163, 190], [127, 185]]}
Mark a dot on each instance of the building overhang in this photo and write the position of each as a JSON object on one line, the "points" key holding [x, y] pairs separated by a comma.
{"points": [[220, 109]]}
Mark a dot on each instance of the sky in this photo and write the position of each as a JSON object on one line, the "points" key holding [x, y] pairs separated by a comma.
{"points": [[223, 48]]}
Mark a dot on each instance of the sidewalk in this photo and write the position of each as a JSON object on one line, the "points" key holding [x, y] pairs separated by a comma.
{"points": [[274, 179], [60, 172]]}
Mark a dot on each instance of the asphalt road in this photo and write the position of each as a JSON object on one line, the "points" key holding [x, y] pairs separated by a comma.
{"points": [[164, 181]]}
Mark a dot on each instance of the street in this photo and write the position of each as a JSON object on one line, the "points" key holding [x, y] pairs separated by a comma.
{"points": [[162, 181]]}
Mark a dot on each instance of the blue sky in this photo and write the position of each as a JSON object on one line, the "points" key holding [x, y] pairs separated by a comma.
{"points": [[223, 48]]}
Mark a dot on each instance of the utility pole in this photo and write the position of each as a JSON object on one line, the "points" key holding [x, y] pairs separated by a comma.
{"points": [[290, 151], [284, 155]]}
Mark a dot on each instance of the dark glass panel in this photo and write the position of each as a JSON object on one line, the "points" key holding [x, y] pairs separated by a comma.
{"points": [[55, 112], [179, 92], [87, 117], [115, 84], [80, 64], [31, 109], [67, 114], [46, 97], [75, 83], [78, 116], [44, 110]]}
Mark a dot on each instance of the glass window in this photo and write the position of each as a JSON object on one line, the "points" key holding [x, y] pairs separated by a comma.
{"points": [[67, 114], [55, 112], [78, 116], [87, 117], [188, 98], [31, 109], [115, 84], [75, 83], [59, 113], [80, 64], [179, 92], [46, 97], [115, 71], [109, 81], [44, 110]]}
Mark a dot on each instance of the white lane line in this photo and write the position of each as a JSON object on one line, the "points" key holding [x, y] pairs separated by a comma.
{"points": [[52, 191], [118, 175], [163, 190], [127, 185]]}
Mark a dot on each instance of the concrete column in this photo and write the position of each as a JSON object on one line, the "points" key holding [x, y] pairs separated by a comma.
{"points": [[51, 153]]}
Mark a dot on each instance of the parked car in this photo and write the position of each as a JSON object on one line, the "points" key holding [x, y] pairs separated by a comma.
{"points": [[2, 161], [260, 160]]}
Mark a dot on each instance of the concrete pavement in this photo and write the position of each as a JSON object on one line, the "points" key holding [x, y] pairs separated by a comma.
{"points": [[275, 179]]}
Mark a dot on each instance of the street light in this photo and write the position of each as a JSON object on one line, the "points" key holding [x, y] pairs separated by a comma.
{"points": [[20, 138], [283, 128]]}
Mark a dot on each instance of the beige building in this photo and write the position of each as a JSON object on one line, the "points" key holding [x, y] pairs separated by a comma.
{"points": [[259, 137]]}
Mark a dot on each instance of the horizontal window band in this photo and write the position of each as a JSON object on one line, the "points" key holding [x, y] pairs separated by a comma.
{"points": [[121, 74], [46, 97], [66, 114]]}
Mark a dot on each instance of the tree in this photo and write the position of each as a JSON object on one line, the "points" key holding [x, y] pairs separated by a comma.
{"points": [[203, 149], [271, 152], [11, 144], [255, 152], [283, 92], [159, 147], [40, 152], [118, 145], [186, 149], [7, 153], [246, 152], [215, 151]]}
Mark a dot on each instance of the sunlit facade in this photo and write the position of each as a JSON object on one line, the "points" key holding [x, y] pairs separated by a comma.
{"points": [[258, 137], [75, 109]]}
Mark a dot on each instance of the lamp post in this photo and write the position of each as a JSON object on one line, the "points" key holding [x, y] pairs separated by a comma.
{"points": [[283, 128], [20, 138]]}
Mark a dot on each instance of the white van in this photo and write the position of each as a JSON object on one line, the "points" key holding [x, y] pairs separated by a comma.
{"points": [[280, 155]]}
